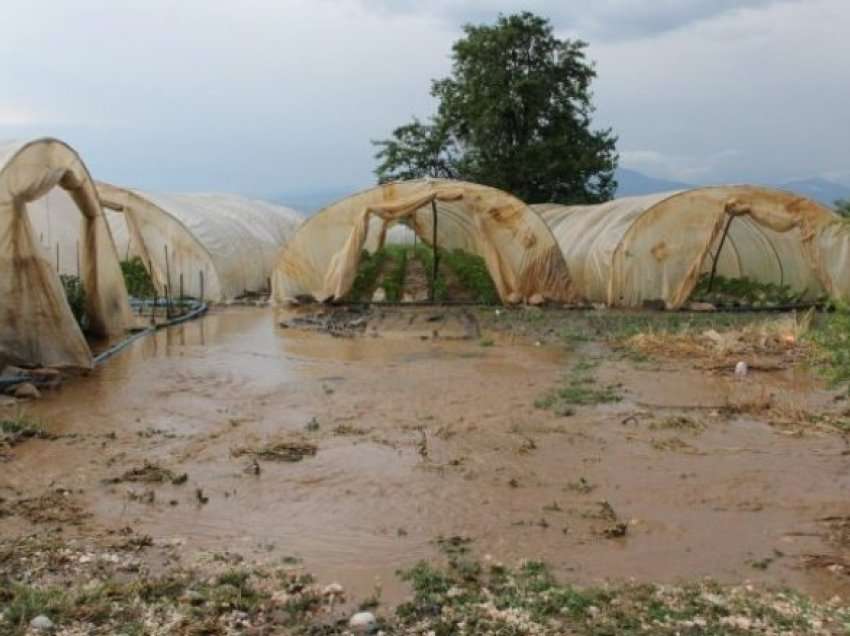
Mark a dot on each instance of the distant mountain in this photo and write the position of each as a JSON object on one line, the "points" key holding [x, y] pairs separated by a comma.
{"points": [[827, 192], [632, 183]]}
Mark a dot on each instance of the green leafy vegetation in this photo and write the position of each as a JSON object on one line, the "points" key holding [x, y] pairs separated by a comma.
{"points": [[76, 295], [395, 271], [137, 278], [516, 114], [425, 256], [473, 275], [743, 291], [367, 276], [842, 208]]}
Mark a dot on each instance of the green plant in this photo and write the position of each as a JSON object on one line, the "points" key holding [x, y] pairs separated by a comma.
{"points": [[393, 281], [473, 274], [368, 270], [425, 255], [76, 295], [137, 278], [743, 291]]}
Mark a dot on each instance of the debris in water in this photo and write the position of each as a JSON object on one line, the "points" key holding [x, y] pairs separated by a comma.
{"points": [[280, 451]]}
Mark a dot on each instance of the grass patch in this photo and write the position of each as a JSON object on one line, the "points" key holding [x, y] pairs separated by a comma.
{"points": [[830, 333], [16, 430], [137, 278], [529, 600], [580, 389]]}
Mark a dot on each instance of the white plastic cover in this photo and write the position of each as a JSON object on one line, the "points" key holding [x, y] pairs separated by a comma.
{"points": [[655, 247], [227, 241], [37, 326], [521, 254]]}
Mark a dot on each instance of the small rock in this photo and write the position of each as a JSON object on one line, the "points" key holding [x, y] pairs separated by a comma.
{"points": [[379, 296], [363, 622], [334, 589], [194, 597], [41, 623], [701, 307], [26, 391], [11, 373], [536, 299], [407, 297], [741, 369]]}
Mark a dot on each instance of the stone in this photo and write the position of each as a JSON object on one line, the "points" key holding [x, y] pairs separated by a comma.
{"points": [[333, 590], [741, 369], [701, 307], [25, 390], [536, 299], [379, 296], [363, 622], [41, 623], [12, 373]]}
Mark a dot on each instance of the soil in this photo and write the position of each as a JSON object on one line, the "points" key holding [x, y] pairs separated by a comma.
{"points": [[423, 424]]}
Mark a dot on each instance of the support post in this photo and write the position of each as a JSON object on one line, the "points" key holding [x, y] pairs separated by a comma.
{"points": [[167, 284], [717, 253], [202, 285], [434, 253]]}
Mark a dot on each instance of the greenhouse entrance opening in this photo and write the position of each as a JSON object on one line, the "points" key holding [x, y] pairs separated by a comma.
{"points": [[399, 265]]}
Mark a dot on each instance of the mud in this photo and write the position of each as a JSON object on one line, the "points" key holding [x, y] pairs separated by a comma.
{"points": [[420, 430]]}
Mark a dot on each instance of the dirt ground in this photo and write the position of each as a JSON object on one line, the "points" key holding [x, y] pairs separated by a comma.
{"points": [[355, 450]]}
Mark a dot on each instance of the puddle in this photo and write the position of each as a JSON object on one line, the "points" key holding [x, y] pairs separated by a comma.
{"points": [[425, 437]]}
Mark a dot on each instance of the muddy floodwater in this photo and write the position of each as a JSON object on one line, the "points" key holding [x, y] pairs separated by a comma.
{"points": [[419, 435]]}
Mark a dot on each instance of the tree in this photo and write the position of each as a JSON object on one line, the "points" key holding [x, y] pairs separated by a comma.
{"points": [[515, 114], [842, 207]]}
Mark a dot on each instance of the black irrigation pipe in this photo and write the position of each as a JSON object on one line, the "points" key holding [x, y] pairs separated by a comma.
{"points": [[199, 310], [719, 309]]}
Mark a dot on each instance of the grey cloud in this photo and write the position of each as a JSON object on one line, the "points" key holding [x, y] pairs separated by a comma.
{"points": [[591, 19]]}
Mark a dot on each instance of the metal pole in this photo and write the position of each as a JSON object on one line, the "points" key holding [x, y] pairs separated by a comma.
{"points": [[167, 284], [181, 286], [202, 285], [78, 259], [717, 254], [434, 252], [57, 256]]}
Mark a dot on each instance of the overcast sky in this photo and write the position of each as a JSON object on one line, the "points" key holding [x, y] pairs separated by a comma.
{"points": [[265, 97]]}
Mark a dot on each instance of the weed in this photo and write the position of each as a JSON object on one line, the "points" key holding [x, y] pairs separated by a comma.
{"points": [[14, 431]]}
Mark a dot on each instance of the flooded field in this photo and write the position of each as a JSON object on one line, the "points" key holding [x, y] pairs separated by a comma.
{"points": [[356, 452]]}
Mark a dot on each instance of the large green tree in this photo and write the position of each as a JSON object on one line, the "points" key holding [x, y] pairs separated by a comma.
{"points": [[515, 114], [842, 206]]}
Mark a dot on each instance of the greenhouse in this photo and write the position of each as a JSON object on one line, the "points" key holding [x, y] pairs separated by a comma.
{"points": [[660, 248], [209, 246], [39, 326], [520, 253]]}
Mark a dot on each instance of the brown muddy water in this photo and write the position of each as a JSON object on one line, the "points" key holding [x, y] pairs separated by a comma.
{"points": [[420, 437]]}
